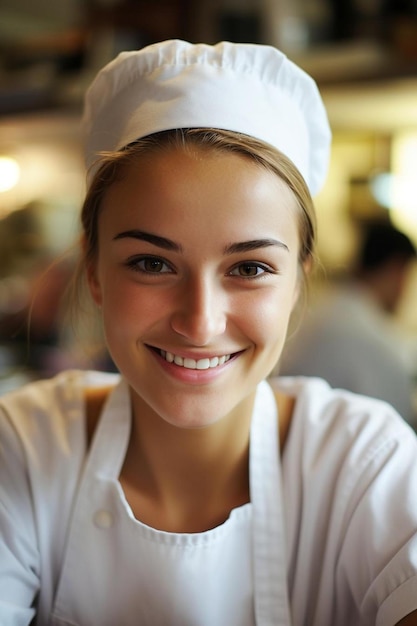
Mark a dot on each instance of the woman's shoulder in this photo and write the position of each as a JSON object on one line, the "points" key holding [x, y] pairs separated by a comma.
{"points": [[334, 427], [349, 484], [51, 409], [319, 406], [340, 443], [65, 389]]}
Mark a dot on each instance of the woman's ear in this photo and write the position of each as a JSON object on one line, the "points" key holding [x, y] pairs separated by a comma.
{"points": [[307, 266], [304, 269], [93, 282], [91, 275]]}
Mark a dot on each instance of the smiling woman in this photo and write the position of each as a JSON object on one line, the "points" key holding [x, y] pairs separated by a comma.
{"points": [[201, 292], [193, 485]]}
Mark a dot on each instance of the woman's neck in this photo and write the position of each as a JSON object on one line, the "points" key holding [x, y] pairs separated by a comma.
{"points": [[187, 480]]}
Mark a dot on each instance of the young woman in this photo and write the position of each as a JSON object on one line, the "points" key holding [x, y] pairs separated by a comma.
{"points": [[188, 490]]}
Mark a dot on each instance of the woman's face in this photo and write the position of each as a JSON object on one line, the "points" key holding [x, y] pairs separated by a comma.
{"points": [[196, 276]]}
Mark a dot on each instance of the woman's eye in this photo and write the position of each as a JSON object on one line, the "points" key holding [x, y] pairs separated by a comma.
{"points": [[149, 265], [249, 270]]}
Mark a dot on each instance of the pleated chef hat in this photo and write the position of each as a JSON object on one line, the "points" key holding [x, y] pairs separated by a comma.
{"points": [[248, 88]]}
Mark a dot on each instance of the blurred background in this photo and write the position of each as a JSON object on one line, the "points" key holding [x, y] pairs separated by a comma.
{"points": [[363, 55]]}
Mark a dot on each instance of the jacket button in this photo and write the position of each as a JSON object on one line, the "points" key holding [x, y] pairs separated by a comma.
{"points": [[103, 519]]}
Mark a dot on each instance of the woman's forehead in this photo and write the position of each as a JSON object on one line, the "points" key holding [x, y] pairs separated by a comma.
{"points": [[200, 176], [179, 194]]}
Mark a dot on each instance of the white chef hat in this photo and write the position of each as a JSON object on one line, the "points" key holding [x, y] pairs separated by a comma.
{"points": [[248, 88]]}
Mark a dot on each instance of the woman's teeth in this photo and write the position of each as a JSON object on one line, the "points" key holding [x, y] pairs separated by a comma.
{"points": [[192, 364]]}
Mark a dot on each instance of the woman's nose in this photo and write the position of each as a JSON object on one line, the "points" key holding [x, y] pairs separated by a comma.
{"points": [[200, 314]]}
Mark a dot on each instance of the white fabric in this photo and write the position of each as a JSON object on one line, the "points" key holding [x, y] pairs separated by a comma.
{"points": [[268, 540], [351, 343], [247, 88], [212, 571], [349, 492]]}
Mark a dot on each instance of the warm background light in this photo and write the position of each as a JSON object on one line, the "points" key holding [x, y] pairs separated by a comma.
{"points": [[404, 191], [9, 173]]}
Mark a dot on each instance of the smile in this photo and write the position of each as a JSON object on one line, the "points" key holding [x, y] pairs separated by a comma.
{"points": [[193, 364]]}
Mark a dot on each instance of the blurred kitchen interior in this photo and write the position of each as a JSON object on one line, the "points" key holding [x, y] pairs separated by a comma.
{"points": [[363, 54]]}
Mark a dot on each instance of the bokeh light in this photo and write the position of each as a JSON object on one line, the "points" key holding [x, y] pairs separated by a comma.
{"points": [[9, 173]]}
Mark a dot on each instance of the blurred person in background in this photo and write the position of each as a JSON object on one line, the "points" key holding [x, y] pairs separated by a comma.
{"points": [[351, 337], [22, 251], [36, 337]]}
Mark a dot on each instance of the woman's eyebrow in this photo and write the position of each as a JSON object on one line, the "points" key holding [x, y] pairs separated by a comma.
{"points": [[168, 244], [254, 244], [156, 240]]}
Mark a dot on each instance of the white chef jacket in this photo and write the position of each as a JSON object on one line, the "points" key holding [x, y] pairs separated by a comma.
{"points": [[340, 537]]}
